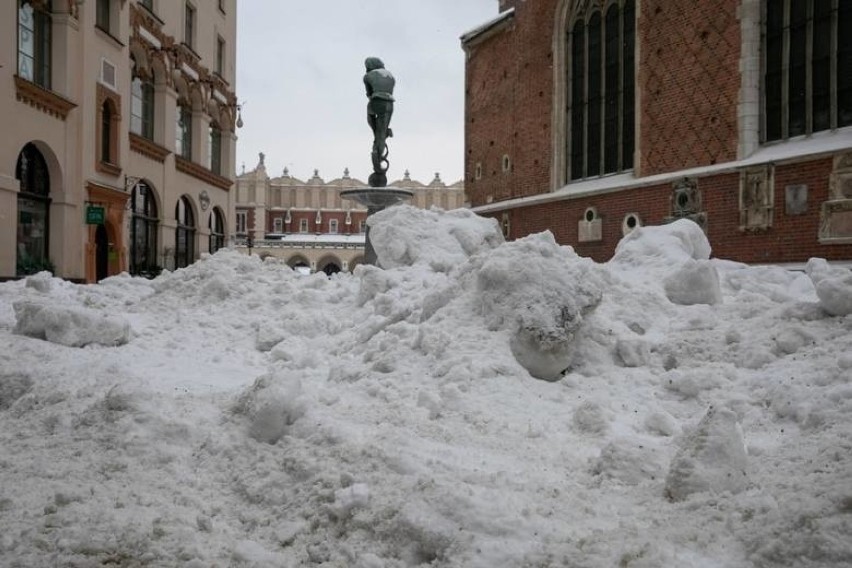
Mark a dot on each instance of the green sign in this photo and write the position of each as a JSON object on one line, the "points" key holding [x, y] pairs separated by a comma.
{"points": [[95, 215]]}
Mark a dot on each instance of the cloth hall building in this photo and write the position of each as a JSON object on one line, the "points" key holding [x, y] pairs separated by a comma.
{"points": [[117, 149], [589, 118], [308, 225]]}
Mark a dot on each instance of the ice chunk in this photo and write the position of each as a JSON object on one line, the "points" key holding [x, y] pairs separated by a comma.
{"points": [[70, 326], [695, 282], [833, 286]]}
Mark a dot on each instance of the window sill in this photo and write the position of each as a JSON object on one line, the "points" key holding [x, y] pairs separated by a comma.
{"points": [[200, 172], [148, 148], [107, 168], [152, 14], [42, 99], [106, 34], [188, 48]]}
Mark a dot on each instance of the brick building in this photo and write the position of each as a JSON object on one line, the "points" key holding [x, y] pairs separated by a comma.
{"points": [[592, 117], [117, 150], [308, 225]]}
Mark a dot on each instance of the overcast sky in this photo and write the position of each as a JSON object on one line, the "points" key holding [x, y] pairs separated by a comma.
{"points": [[300, 68]]}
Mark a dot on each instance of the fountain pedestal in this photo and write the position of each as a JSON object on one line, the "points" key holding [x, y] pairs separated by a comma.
{"points": [[375, 199]]}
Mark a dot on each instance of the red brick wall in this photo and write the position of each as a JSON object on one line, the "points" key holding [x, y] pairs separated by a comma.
{"points": [[509, 93], [792, 238], [688, 77]]}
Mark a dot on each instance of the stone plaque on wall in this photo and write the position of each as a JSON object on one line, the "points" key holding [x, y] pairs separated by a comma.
{"points": [[757, 198], [796, 199], [836, 213]]}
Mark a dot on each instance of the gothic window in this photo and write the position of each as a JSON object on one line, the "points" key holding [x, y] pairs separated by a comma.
{"points": [[33, 211], [184, 233], [601, 89], [34, 42], [143, 230], [807, 57], [217, 230]]}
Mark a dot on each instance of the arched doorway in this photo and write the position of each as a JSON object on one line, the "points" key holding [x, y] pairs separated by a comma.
{"points": [[331, 268], [144, 229], [184, 233], [32, 244], [101, 253]]}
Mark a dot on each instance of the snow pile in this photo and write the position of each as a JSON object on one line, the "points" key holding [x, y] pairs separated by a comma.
{"points": [[833, 286], [405, 236], [70, 326], [390, 418]]}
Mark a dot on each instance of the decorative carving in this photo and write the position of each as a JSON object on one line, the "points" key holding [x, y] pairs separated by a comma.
{"points": [[200, 172], [148, 148], [590, 227], [836, 214], [686, 203], [757, 198], [42, 99]]}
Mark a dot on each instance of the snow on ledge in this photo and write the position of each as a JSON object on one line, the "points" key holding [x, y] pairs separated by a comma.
{"points": [[798, 148]]}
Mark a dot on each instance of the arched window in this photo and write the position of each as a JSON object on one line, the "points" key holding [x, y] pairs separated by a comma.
{"points": [[807, 82], [33, 211], [184, 233], [216, 224], [601, 90], [141, 104], [34, 42], [143, 231]]}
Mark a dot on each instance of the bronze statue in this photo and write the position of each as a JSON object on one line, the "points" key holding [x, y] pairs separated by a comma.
{"points": [[379, 83]]}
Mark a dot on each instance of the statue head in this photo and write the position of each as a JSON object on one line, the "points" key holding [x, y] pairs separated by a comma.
{"points": [[373, 63]]}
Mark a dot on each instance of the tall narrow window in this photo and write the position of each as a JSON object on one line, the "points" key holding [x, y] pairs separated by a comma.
{"points": [[332, 226], [102, 14], [34, 43], [601, 90], [143, 231], [142, 107], [217, 230], [189, 25], [184, 233], [242, 218], [807, 82], [33, 211], [214, 162], [183, 133], [220, 56], [106, 133]]}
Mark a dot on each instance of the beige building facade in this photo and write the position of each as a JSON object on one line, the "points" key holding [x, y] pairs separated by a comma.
{"points": [[118, 143], [307, 224]]}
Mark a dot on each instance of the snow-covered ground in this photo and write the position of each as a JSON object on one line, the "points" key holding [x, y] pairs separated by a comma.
{"points": [[475, 404]]}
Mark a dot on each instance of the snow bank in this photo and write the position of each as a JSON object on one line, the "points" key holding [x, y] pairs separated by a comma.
{"points": [[70, 326], [833, 286], [388, 418]]}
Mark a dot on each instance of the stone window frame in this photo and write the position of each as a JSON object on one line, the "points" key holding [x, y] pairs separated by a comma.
{"points": [[216, 225], [241, 222], [107, 149]]}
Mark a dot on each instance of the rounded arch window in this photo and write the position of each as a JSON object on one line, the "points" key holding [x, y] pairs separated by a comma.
{"points": [[33, 212], [216, 224], [143, 231], [184, 233]]}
